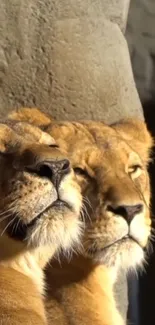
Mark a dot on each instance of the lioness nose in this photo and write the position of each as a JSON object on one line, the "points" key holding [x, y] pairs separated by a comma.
{"points": [[54, 170], [128, 212]]}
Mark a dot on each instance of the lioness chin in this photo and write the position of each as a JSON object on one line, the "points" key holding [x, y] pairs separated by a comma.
{"points": [[40, 203], [111, 167]]}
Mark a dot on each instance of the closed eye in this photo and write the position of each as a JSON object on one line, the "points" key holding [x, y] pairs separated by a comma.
{"points": [[81, 172], [135, 170], [53, 146]]}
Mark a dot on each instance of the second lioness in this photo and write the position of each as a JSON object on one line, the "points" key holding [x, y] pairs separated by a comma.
{"points": [[111, 167]]}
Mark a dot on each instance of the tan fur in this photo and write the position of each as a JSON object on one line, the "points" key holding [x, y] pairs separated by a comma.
{"points": [[32, 115], [81, 293], [20, 301], [113, 172], [32, 229]]}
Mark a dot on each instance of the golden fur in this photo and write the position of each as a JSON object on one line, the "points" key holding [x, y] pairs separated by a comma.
{"points": [[32, 226], [111, 167]]}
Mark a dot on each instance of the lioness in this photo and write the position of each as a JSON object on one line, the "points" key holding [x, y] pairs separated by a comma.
{"points": [[111, 166], [40, 203]]}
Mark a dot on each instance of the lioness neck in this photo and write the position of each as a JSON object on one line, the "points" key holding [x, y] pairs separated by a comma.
{"points": [[82, 293], [29, 262]]}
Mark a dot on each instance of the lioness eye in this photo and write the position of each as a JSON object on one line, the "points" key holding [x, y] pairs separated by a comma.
{"points": [[134, 169], [81, 172], [53, 146]]}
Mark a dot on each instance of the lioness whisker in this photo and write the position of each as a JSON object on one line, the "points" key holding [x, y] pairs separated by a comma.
{"points": [[17, 224], [4, 218], [83, 218], [85, 212], [86, 200], [5, 211], [141, 195], [8, 224]]}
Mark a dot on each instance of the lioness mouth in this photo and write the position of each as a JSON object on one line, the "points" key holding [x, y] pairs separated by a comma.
{"points": [[94, 250], [18, 229], [121, 240]]}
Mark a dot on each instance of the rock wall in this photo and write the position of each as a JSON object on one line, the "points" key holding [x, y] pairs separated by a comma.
{"points": [[140, 35], [68, 56]]}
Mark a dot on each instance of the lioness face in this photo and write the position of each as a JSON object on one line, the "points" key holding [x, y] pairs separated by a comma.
{"points": [[111, 168], [40, 199]]}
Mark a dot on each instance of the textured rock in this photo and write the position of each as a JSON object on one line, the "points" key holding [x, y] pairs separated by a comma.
{"points": [[74, 67], [116, 11], [141, 39]]}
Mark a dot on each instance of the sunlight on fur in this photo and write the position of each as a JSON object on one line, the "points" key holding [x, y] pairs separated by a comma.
{"points": [[110, 163], [111, 167], [28, 196]]}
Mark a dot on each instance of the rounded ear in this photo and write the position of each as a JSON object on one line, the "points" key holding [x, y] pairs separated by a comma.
{"points": [[31, 132], [31, 115], [136, 134], [8, 138]]}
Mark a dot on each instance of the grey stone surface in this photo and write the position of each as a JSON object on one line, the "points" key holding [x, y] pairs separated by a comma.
{"points": [[141, 39], [116, 11], [74, 67]]}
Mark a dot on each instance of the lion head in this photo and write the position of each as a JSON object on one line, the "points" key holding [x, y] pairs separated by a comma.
{"points": [[40, 199], [110, 163]]}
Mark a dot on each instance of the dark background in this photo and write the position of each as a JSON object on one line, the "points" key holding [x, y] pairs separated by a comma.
{"points": [[147, 280], [140, 34]]}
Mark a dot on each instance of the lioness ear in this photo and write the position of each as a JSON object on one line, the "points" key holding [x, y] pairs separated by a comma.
{"points": [[30, 132], [30, 115], [8, 138], [135, 133], [12, 136]]}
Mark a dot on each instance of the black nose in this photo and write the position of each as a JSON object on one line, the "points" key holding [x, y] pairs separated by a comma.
{"points": [[128, 212], [54, 170]]}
